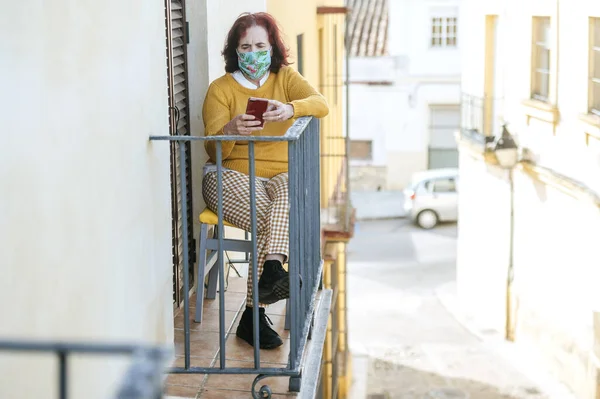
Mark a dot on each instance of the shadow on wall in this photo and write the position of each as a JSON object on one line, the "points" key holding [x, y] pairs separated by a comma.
{"points": [[388, 380]]}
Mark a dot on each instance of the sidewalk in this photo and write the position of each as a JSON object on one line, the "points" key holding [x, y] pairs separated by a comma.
{"points": [[371, 205]]}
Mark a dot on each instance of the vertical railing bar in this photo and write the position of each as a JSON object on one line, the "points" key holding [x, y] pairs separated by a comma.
{"points": [[314, 232], [186, 255], [253, 266], [299, 237], [316, 178], [62, 375], [293, 250], [303, 233], [220, 265]]}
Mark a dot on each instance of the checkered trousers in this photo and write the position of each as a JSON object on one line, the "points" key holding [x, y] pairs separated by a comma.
{"points": [[272, 211]]}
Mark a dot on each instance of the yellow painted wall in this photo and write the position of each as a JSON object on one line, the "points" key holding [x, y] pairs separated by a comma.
{"points": [[323, 67]]}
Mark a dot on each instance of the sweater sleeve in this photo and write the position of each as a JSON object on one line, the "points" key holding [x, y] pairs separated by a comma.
{"points": [[216, 114], [305, 99]]}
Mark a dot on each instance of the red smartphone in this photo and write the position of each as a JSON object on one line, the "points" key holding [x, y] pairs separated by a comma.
{"points": [[257, 107]]}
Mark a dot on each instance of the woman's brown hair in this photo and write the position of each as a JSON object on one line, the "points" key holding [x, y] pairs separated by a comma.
{"points": [[280, 52]]}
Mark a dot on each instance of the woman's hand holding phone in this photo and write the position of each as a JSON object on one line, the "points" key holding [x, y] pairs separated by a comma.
{"points": [[278, 111], [243, 125]]}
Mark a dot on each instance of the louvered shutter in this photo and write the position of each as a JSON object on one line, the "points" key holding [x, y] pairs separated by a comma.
{"points": [[179, 125]]}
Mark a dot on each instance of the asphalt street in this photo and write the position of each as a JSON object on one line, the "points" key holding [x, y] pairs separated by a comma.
{"points": [[406, 344]]}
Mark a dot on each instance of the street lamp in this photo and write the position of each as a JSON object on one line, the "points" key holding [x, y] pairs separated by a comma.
{"points": [[506, 150], [507, 154]]}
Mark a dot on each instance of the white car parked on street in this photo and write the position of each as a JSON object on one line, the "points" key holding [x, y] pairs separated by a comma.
{"points": [[432, 197]]}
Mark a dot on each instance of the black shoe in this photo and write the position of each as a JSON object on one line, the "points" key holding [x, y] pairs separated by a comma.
{"points": [[274, 283], [268, 338]]}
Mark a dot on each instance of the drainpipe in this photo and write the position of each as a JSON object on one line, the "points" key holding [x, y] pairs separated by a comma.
{"points": [[347, 141], [511, 316]]}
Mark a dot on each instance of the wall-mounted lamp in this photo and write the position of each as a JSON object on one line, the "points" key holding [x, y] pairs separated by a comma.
{"points": [[506, 150]]}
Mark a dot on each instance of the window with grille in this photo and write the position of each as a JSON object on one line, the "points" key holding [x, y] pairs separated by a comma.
{"points": [[444, 31], [540, 59], [594, 85]]}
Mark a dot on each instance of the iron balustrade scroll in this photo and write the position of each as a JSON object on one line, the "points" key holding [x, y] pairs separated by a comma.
{"points": [[304, 248], [143, 379]]}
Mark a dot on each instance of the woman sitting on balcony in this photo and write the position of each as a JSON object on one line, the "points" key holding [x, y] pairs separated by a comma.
{"points": [[256, 62]]}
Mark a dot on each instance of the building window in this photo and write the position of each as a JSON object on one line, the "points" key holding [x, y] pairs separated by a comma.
{"points": [[443, 32], [540, 59], [300, 46], [594, 86], [361, 150]]}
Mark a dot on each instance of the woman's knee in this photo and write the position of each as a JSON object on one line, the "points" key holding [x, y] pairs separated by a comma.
{"points": [[279, 184]]}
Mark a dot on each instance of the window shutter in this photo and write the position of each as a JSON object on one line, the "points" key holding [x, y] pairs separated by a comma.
{"points": [[179, 125]]}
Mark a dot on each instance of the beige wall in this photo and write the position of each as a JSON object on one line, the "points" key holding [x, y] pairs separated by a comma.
{"points": [[295, 21], [85, 221], [556, 278]]}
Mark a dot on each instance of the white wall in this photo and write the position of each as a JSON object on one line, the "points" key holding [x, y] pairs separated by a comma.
{"points": [[396, 116], [210, 22], [85, 215], [410, 35], [554, 254]]}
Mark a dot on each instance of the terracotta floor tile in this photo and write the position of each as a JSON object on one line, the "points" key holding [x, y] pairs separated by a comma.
{"points": [[204, 344], [195, 380], [243, 382], [188, 380], [233, 301], [210, 393], [195, 361], [237, 284], [239, 350], [277, 309], [210, 320], [181, 391]]}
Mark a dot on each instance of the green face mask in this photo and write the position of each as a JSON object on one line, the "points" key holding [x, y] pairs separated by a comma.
{"points": [[255, 63]]}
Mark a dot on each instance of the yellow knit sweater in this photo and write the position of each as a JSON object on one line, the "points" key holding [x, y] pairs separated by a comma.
{"points": [[226, 99]]}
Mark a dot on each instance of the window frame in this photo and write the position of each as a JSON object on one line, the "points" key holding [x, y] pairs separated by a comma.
{"points": [[444, 31], [543, 44]]}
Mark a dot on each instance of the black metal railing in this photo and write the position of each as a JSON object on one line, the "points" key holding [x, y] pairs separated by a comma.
{"points": [[143, 380], [482, 115], [304, 249]]}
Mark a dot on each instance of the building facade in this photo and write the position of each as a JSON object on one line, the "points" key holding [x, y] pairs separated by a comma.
{"points": [[92, 227], [527, 263], [405, 89]]}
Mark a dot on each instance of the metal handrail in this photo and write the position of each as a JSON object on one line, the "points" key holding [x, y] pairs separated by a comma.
{"points": [[143, 379], [304, 251]]}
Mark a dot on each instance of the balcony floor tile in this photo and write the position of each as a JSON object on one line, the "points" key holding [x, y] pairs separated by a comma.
{"points": [[180, 391], [210, 393], [204, 340]]}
